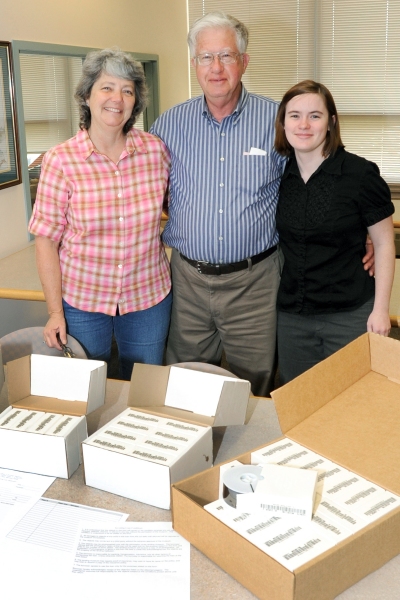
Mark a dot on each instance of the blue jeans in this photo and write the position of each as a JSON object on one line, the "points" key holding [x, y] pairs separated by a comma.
{"points": [[140, 335]]}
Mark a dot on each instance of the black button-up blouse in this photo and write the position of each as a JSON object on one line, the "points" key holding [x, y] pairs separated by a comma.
{"points": [[322, 227]]}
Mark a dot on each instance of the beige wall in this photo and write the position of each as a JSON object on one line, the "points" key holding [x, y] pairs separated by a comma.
{"points": [[148, 26]]}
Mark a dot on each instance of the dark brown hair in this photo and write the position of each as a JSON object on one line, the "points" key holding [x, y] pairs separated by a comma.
{"points": [[333, 140]]}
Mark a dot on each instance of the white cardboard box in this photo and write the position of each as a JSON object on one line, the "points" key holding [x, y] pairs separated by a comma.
{"points": [[283, 491], [143, 476], [44, 383], [164, 392], [53, 455]]}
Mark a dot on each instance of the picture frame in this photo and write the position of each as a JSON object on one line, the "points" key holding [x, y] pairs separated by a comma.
{"points": [[10, 166]]}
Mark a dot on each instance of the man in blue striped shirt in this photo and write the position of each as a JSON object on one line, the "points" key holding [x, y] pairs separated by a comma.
{"points": [[224, 186]]}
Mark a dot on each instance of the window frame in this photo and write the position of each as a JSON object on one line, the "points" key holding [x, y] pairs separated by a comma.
{"points": [[150, 64]]}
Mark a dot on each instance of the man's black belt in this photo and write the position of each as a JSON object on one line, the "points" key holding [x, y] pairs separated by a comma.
{"points": [[206, 268]]}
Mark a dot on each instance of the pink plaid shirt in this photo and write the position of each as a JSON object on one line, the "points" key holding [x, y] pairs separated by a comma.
{"points": [[106, 218]]}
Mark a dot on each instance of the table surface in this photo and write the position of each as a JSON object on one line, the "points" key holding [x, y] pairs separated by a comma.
{"points": [[208, 581]]}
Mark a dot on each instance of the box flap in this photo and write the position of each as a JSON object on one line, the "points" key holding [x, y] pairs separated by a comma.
{"points": [[385, 356], [232, 406], [18, 379], [306, 394], [61, 377], [54, 405], [97, 388], [357, 430], [148, 385], [178, 414]]}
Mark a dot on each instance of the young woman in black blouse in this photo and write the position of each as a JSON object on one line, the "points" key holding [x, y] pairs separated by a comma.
{"points": [[329, 200]]}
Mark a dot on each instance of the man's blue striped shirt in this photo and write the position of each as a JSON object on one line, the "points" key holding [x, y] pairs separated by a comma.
{"points": [[222, 201]]}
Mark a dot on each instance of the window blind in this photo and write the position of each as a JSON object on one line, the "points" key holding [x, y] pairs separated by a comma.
{"points": [[352, 46]]}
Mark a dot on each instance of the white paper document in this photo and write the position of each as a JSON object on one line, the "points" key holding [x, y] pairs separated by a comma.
{"points": [[17, 489], [36, 550], [150, 558]]}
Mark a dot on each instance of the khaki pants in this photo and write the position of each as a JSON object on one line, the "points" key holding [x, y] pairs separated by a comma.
{"points": [[235, 312]]}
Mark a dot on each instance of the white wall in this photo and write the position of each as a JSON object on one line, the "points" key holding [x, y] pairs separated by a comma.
{"points": [[148, 26]]}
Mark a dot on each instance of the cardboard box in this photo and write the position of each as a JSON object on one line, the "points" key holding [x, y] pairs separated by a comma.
{"points": [[44, 383], [153, 392], [53, 455], [144, 469], [347, 409]]}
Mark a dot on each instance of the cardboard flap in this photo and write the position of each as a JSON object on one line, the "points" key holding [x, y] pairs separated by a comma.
{"points": [[232, 408], [385, 356], [52, 405], [306, 394], [18, 379], [97, 388], [148, 385], [179, 414]]}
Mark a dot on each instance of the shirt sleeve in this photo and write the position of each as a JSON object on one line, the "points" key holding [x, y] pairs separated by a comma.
{"points": [[49, 211], [375, 196]]}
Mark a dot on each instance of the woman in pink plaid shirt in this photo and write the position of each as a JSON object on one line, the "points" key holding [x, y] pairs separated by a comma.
{"points": [[97, 215]]}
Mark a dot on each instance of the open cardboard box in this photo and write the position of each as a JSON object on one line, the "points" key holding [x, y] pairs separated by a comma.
{"points": [[56, 385], [154, 390], [347, 408]]}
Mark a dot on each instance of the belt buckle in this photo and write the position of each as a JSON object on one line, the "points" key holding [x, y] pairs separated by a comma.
{"points": [[199, 264]]}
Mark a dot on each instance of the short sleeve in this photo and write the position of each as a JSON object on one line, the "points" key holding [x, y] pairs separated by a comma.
{"points": [[375, 197], [49, 211]]}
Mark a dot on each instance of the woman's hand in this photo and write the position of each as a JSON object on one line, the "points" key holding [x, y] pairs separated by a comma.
{"points": [[55, 325], [379, 322]]}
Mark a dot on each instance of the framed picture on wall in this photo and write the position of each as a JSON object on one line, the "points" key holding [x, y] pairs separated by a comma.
{"points": [[10, 171]]}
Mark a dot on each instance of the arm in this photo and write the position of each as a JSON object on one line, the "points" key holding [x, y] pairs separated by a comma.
{"points": [[48, 266], [383, 240], [369, 258]]}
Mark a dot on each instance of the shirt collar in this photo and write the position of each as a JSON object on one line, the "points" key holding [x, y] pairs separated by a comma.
{"points": [[333, 164], [243, 99], [134, 143]]}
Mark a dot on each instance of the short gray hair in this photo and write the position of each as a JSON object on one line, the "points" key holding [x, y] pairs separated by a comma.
{"points": [[223, 21], [118, 64]]}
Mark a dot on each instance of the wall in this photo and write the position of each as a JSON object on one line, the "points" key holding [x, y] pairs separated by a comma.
{"points": [[152, 26]]}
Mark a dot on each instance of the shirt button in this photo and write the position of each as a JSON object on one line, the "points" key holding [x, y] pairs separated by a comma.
{"points": [[121, 218], [117, 172], [121, 301], [220, 238], [119, 266], [220, 210], [222, 159], [222, 134], [221, 185], [119, 195]]}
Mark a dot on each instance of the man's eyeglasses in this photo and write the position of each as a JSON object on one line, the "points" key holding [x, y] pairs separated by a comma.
{"points": [[207, 58]]}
